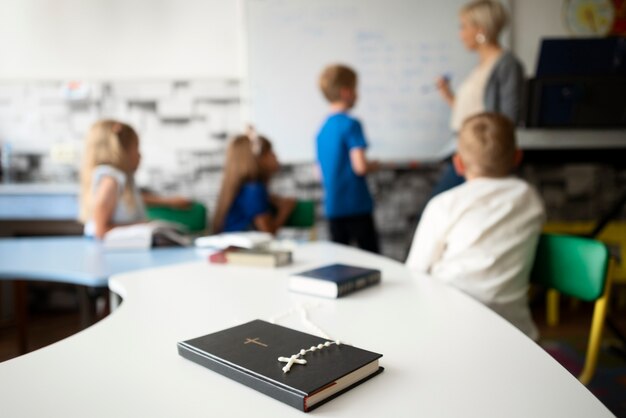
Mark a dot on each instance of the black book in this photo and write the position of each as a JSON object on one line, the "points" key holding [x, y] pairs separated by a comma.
{"points": [[334, 281], [250, 353]]}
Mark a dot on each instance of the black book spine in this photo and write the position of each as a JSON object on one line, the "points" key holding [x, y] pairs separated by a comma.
{"points": [[359, 283], [279, 393]]}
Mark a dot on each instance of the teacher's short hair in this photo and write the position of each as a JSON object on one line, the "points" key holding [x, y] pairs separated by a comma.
{"points": [[334, 78], [489, 15]]}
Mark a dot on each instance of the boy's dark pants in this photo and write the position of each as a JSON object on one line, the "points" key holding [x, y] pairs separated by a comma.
{"points": [[359, 228]]}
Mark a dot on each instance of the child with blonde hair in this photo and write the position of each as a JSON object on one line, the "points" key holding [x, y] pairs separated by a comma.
{"points": [[244, 201], [109, 196], [481, 236]]}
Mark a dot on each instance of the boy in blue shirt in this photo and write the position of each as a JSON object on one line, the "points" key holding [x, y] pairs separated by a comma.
{"points": [[341, 155]]}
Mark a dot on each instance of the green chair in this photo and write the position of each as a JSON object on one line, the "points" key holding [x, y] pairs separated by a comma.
{"points": [[577, 267], [303, 216], [194, 218]]}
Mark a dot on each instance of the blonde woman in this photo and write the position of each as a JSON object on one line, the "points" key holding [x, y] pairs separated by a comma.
{"points": [[244, 202], [108, 195], [495, 84]]}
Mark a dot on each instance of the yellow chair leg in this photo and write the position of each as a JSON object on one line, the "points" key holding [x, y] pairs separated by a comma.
{"points": [[595, 336], [621, 298], [552, 308]]}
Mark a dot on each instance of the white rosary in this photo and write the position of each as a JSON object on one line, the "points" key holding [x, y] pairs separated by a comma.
{"points": [[295, 359]]}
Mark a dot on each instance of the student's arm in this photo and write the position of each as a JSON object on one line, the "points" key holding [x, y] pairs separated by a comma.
{"points": [[356, 143], [176, 202], [360, 165], [105, 200], [428, 245], [268, 223]]}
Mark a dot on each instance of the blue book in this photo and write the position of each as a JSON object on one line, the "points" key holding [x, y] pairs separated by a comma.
{"points": [[334, 281]]}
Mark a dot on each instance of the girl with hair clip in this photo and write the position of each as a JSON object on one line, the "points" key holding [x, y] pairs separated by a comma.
{"points": [[108, 194], [244, 202]]}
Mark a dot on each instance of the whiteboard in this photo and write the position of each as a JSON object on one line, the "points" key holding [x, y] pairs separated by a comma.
{"points": [[398, 47]]}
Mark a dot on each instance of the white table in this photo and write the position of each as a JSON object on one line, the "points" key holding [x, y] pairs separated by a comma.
{"points": [[444, 354]]}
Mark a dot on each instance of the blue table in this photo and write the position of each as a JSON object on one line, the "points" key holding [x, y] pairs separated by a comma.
{"points": [[79, 260], [75, 260]]}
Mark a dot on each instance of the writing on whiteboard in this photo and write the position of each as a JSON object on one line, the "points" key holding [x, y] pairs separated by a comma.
{"points": [[398, 47]]}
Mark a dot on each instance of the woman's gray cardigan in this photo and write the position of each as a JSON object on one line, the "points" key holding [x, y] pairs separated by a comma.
{"points": [[503, 93]]}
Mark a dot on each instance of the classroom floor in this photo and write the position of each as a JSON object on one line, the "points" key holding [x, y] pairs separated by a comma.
{"points": [[565, 342]]}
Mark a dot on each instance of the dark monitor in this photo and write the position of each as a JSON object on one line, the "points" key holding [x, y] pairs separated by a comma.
{"points": [[582, 57]]}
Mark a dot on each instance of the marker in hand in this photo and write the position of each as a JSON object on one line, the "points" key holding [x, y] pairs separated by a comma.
{"points": [[442, 80]]}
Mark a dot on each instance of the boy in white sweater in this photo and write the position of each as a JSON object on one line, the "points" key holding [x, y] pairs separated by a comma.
{"points": [[481, 236]]}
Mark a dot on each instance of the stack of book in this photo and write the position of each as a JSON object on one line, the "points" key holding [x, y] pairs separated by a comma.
{"points": [[249, 239], [252, 257]]}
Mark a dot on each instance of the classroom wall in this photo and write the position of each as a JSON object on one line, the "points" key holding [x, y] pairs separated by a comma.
{"points": [[53, 39], [532, 21], [183, 125], [119, 39]]}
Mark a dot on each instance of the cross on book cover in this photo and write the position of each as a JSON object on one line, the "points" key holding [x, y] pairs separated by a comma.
{"points": [[300, 369]]}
